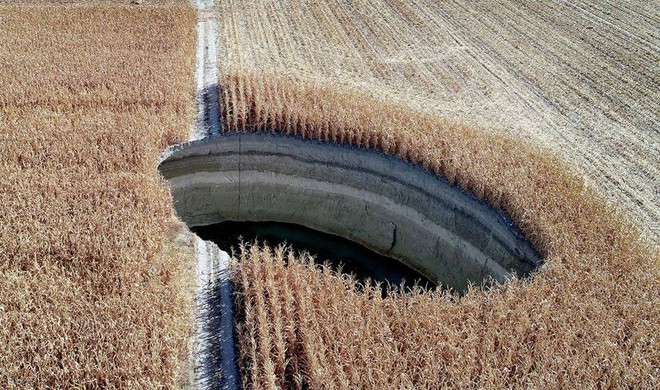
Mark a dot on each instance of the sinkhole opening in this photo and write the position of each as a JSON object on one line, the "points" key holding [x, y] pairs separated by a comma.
{"points": [[339, 253], [268, 183]]}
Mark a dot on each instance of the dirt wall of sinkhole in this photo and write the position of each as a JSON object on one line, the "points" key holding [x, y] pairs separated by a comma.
{"points": [[390, 206]]}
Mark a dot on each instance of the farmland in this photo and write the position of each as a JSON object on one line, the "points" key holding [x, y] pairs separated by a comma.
{"points": [[94, 291], [577, 78], [587, 317], [546, 111]]}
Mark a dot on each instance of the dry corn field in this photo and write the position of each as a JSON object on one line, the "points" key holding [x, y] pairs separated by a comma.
{"points": [[590, 316], [93, 290], [548, 111]]}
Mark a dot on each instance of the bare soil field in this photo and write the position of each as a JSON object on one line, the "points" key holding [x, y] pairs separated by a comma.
{"points": [[94, 291], [578, 78], [546, 111]]}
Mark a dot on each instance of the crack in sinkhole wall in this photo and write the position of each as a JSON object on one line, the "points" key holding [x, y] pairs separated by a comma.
{"points": [[392, 207]]}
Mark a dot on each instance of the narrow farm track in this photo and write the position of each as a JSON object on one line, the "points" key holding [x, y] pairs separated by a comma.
{"points": [[214, 358], [579, 78]]}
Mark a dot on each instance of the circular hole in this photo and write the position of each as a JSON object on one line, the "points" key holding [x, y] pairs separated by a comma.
{"points": [[395, 209]]}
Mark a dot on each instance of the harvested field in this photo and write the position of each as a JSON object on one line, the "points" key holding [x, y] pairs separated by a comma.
{"points": [[461, 88], [579, 78], [94, 290]]}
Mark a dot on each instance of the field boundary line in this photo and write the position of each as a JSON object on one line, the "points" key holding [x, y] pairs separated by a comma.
{"points": [[215, 360]]}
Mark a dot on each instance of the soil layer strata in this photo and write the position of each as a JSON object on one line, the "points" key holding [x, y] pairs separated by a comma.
{"points": [[390, 206]]}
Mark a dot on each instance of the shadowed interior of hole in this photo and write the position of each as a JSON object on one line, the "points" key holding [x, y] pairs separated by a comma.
{"points": [[338, 252]]}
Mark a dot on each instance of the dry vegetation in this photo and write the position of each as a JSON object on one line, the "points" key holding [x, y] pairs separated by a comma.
{"points": [[304, 327], [92, 291], [579, 78], [589, 318]]}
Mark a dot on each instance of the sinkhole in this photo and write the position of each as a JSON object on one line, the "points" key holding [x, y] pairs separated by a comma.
{"points": [[391, 208], [340, 254]]}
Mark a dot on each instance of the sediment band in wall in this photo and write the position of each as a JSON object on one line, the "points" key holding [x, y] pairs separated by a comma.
{"points": [[393, 207]]}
